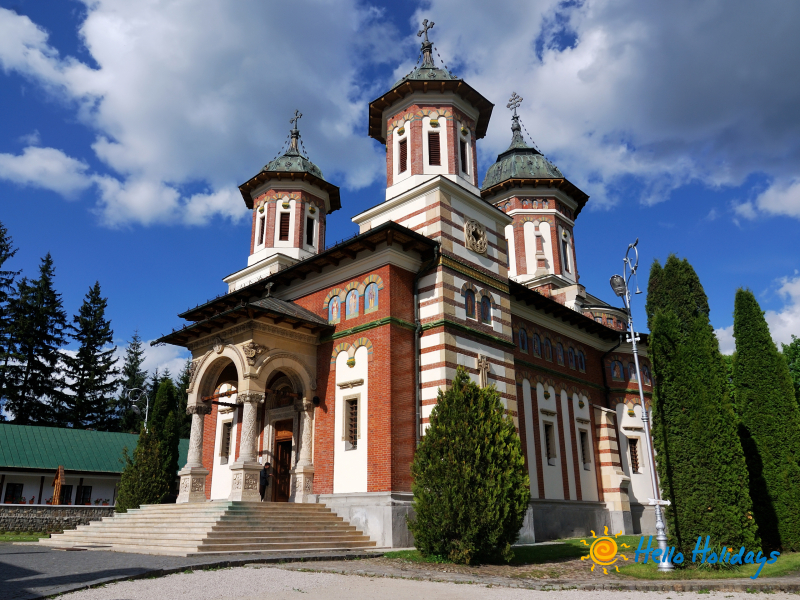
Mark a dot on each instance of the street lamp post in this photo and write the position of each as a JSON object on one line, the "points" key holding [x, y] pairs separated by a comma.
{"points": [[136, 409], [619, 283]]}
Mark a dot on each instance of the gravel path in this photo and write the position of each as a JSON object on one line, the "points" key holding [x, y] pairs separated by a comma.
{"points": [[261, 582]]}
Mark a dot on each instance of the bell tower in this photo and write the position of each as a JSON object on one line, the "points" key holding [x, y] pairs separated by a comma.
{"points": [[290, 200]]}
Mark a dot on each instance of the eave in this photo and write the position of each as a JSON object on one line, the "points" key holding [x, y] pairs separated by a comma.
{"points": [[248, 186], [562, 184]]}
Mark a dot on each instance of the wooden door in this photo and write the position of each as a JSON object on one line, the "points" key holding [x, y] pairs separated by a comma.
{"points": [[283, 466]]}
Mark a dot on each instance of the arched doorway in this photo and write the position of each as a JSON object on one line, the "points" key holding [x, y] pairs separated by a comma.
{"points": [[281, 421], [228, 421]]}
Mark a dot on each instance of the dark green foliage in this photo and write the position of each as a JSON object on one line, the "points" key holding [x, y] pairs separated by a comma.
{"points": [[165, 425], [143, 478], [700, 460], [133, 378], [769, 426], [184, 379], [7, 251], [791, 352], [34, 380], [471, 489], [92, 370]]}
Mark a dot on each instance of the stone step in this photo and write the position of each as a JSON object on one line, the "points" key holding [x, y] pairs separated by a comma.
{"points": [[141, 537], [285, 547]]}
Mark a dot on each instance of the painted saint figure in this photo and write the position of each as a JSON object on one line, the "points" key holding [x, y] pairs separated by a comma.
{"points": [[371, 297], [334, 310], [352, 304]]}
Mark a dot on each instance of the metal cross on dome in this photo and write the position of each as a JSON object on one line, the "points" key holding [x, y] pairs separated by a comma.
{"points": [[514, 102], [424, 29], [296, 119]]}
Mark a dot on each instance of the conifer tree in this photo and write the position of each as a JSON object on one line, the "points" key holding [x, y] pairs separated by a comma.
{"points": [[165, 426], [35, 380], [133, 378], [184, 379], [791, 352], [7, 277], [769, 426], [700, 460], [471, 488], [92, 372], [143, 479]]}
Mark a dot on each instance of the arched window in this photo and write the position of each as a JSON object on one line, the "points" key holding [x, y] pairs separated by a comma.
{"points": [[648, 379], [560, 353], [371, 298], [523, 339], [548, 349], [334, 310], [571, 356], [486, 310], [537, 345], [617, 371], [581, 361], [351, 303], [469, 304], [632, 372]]}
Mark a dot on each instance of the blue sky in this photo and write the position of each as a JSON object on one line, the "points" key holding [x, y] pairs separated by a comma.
{"points": [[127, 127]]}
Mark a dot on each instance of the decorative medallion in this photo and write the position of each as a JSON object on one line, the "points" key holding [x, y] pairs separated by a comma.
{"points": [[285, 205], [475, 236], [261, 209], [464, 131], [401, 131], [219, 346], [581, 403], [251, 351], [312, 210], [351, 362], [434, 122]]}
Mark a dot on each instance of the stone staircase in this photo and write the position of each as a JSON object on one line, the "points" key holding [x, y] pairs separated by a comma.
{"points": [[194, 529]]}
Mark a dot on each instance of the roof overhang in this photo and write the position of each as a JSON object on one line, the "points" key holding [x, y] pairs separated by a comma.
{"points": [[264, 176], [563, 184], [455, 86]]}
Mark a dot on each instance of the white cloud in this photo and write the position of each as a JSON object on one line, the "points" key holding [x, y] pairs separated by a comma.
{"points": [[164, 357], [46, 168], [31, 139], [786, 322], [187, 97], [667, 93], [727, 343], [780, 198]]}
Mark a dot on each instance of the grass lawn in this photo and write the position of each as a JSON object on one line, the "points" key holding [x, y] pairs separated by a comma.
{"points": [[12, 536], [787, 564]]}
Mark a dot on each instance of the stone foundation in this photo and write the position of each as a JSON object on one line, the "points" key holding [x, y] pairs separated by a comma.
{"points": [[19, 517], [644, 519], [556, 519], [380, 515]]}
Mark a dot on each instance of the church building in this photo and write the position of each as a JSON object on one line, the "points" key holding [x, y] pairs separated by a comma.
{"points": [[326, 362]]}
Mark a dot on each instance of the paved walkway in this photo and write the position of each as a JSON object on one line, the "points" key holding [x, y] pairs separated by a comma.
{"points": [[30, 571]]}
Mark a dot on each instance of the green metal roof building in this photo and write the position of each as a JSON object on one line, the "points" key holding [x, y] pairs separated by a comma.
{"points": [[92, 461]]}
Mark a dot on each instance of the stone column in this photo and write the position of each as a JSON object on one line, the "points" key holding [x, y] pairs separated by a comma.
{"points": [[246, 470], [193, 475], [303, 472]]}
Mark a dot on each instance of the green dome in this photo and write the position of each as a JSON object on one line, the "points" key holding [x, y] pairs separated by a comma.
{"points": [[293, 162], [519, 162]]}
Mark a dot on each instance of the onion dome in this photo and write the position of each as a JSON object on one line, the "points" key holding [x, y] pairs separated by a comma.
{"points": [[292, 165], [427, 77]]}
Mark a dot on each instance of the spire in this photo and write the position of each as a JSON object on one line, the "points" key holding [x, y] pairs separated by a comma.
{"points": [[295, 121], [427, 55], [517, 140]]}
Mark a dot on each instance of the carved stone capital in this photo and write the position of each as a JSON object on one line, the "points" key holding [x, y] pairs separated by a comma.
{"points": [[303, 404], [254, 397], [198, 409], [251, 351]]}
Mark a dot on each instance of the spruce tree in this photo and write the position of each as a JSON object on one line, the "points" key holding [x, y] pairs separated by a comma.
{"points": [[769, 426], [92, 371], [184, 379], [165, 426], [133, 378], [471, 488], [7, 277], [143, 479], [791, 352], [700, 461], [35, 373]]}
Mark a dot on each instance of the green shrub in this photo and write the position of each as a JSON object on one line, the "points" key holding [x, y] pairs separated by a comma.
{"points": [[143, 479], [471, 488]]}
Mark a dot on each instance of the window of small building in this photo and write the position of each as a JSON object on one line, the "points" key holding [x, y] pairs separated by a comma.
{"points": [[565, 252], [469, 304], [84, 495], [262, 221], [550, 444], [402, 158], [486, 310], [309, 231], [225, 443], [13, 493], [350, 430], [66, 495], [585, 451], [633, 445], [283, 234], [462, 146], [434, 150]]}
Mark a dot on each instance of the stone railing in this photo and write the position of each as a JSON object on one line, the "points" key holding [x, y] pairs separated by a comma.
{"points": [[36, 517]]}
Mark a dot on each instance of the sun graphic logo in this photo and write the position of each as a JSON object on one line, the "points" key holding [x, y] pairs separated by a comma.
{"points": [[604, 552]]}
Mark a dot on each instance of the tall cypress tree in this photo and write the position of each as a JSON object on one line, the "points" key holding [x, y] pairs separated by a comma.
{"points": [[184, 379], [700, 460], [165, 426], [35, 377], [7, 251], [143, 480], [791, 352], [769, 426], [92, 371], [133, 377]]}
